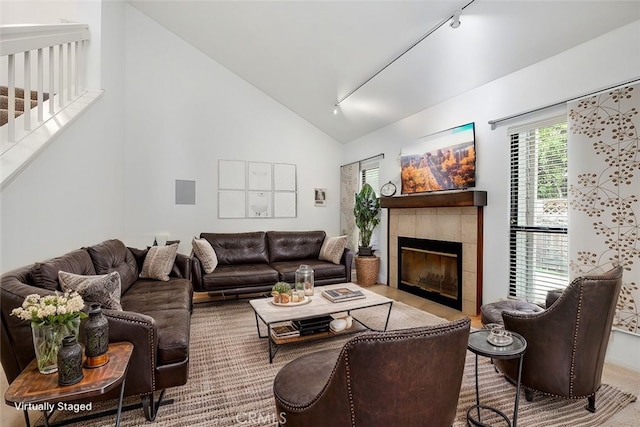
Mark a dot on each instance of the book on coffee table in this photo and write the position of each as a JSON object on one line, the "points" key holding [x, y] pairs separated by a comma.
{"points": [[284, 330], [342, 294]]}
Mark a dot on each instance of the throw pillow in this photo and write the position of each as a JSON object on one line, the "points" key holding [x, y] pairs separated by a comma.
{"points": [[205, 253], [103, 289], [332, 249], [159, 262]]}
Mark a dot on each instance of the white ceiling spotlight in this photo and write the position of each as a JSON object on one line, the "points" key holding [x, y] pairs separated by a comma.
{"points": [[455, 19]]}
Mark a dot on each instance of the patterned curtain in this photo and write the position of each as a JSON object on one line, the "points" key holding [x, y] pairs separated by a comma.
{"points": [[604, 181], [348, 188]]}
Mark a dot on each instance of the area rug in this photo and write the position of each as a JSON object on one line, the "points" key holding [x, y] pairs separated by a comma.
{"points": [[230, 378]]}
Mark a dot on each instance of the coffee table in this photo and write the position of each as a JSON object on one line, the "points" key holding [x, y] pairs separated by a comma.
{"points": [[268, 314]]}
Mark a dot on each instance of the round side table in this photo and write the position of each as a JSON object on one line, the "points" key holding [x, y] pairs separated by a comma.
{"points": [[479, 345]]}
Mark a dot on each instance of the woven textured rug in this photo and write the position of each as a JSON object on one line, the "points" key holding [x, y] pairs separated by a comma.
{"points": [[230, 379]]}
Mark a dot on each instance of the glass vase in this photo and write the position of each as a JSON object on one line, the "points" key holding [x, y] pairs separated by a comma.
{"points": [[304, 279], [47, 340]]}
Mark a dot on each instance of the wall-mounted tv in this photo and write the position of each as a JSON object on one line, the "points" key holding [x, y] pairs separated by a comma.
{"points": [[443, 161]]}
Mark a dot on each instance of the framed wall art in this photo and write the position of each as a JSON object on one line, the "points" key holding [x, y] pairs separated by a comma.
{"points": [[320, 196], [256, 189]]}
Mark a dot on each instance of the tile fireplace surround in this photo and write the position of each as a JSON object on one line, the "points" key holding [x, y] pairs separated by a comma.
{"points": [[452, 216]]}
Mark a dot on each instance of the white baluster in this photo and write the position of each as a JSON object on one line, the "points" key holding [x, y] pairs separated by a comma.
{"points": [[52, 91], [40, 86], [61, 77], [69, 89], [27, 90], [11, 74]]}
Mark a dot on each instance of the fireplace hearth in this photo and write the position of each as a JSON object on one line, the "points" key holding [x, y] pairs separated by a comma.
{"points": [[431, 269]]}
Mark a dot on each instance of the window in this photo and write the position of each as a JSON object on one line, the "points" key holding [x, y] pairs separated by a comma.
{"points": [[369, 174], [538, 210]]}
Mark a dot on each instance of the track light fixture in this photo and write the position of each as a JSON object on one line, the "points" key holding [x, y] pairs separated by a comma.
{"points": [[455, 19], [454, 22]]}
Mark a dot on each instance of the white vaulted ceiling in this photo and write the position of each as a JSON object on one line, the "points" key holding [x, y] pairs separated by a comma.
{"points": [[308, 54]]}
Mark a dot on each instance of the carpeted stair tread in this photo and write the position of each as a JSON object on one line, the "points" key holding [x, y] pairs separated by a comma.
{"points": [[19, 102]]}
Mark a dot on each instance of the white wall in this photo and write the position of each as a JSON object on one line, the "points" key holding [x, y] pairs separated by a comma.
{"points": [[602, 62], [71, 195], [184, 112]]}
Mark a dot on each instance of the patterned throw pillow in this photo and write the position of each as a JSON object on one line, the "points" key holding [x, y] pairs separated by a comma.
{"points": [[103, 289], [332, 249], [159, 262], [205, 253]]}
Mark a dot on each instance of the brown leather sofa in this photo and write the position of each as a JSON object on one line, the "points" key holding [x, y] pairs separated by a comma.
{"points": [[567, 342], [156, 316], [253, 262], [409, 378]]}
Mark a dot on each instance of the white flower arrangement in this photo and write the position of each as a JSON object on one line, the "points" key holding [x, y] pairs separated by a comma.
{"points": [[51, 309]]}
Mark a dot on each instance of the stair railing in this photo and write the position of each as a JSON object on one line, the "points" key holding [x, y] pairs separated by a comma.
{"points": [[64, 47]]}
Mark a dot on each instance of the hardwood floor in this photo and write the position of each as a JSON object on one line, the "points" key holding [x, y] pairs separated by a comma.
{"points": [[423, 304]]}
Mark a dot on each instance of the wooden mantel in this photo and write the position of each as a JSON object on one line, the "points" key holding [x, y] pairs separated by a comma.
{"points": [[439, 199]]}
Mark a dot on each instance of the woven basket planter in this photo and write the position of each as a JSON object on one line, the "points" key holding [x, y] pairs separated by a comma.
{"points": [[367, 270]]}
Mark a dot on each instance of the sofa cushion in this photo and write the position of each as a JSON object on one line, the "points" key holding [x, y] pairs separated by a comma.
{"points": [[113, 255], [322, 270], [103, 289], [45, 273], [168, 303], [205, 253], [332, 249], [239, 248], [159, 262], [230, 276], [149, 295], [294, 245], [173, 335]]}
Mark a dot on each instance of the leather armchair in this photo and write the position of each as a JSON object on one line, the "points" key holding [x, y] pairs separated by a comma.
{"points": [[567, 342], [409, 377]]}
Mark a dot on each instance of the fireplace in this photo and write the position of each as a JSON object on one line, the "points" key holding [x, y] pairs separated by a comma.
{"points": [[450, 216], [431, 269]]}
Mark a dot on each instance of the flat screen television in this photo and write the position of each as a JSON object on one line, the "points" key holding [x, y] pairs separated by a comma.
{"points": [[443, 161]]}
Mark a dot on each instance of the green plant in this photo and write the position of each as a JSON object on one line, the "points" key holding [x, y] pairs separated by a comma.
{"points": [[366, 212], [281, 288]]}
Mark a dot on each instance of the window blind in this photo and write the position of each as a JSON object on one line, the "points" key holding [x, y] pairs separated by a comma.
{"points": [[538, 209], [370, 173]]}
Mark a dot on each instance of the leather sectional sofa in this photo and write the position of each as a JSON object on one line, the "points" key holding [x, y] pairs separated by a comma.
{"points": [[253, 262], [156, 315]]}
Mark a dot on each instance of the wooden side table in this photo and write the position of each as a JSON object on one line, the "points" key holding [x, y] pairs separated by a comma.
{"points": [[33, 390]]}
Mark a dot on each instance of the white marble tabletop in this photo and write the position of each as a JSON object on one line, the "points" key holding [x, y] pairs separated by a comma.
{"points": [[319, 305]]}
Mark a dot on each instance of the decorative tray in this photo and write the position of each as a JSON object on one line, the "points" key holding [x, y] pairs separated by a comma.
{"points": [[306, 300], [499, 341]]}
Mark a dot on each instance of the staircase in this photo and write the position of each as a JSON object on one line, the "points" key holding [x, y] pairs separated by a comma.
{"points": [[19, 103], [47, 64]]}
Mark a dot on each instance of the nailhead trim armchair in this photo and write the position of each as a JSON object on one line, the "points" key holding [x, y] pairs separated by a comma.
{"points": [[567, 342], [406, 378]]}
